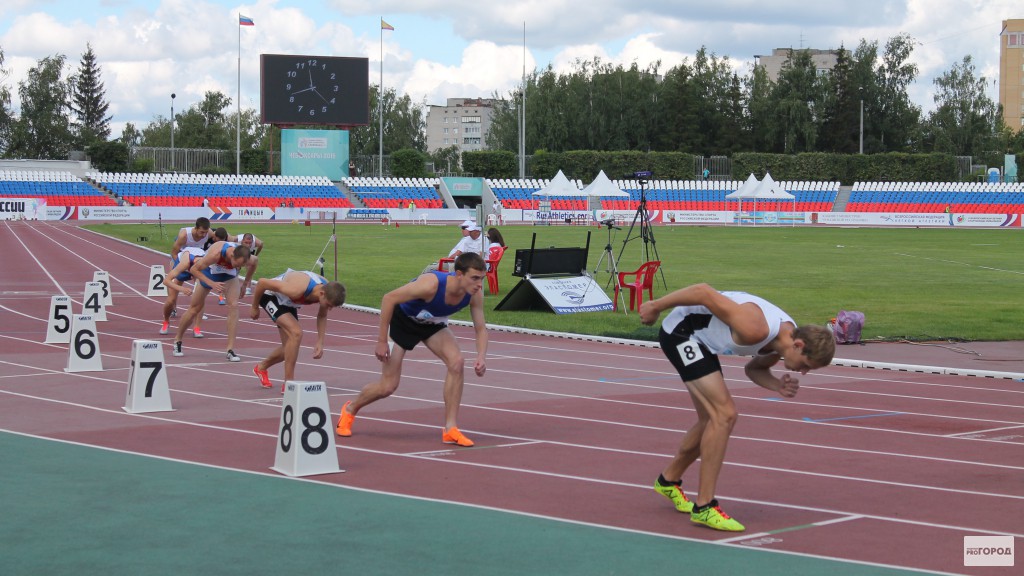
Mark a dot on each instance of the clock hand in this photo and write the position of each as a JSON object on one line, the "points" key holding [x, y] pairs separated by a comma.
{"points": [[310, 79], [304, 90], [320, 95]]}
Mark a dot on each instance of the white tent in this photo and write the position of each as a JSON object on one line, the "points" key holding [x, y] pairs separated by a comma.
{"points": [[602, 187], [559, 186], [766, 189]]}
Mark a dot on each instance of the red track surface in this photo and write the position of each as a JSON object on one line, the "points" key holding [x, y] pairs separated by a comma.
{"points": [[860, 460]]}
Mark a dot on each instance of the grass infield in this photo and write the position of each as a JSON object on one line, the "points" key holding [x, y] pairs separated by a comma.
{"points": [[911, 283]]}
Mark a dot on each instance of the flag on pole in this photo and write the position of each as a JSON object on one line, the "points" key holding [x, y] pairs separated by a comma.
{"points": [[245, 21], [385, 26]]}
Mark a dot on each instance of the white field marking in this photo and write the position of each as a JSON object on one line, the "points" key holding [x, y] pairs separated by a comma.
{"points": [[914, 383], [949, 400], [314, 480], [990, 430], [791, 529], [885, 411], [40, 264], [490, 408], [371, 310], [588, 479], [959, 263], [572, 418], [590, 447]]}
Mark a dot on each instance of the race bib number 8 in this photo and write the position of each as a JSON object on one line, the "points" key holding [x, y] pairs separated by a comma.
{"points": [[271, 308], [690, 352]]}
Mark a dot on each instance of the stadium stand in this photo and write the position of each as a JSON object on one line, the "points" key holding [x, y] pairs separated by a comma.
{"points": [[246, 190], [958, 197], [58, 188], [669, 195], [395, 192]]}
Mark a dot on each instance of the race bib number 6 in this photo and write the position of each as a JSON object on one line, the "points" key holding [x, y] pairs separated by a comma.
{"points": [[690, 352]]}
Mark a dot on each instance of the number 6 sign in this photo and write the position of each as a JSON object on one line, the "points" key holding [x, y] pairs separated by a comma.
{"points": [[305, 441], [84, 350]]}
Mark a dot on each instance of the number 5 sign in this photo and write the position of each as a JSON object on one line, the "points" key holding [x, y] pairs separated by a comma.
{"points": [[305, 440]]}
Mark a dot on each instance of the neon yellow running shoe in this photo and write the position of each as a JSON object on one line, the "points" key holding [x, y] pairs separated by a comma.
{"points": [[675, 494], [712, 516]]}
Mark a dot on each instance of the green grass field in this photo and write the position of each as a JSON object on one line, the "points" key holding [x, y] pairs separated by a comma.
{"points": [[914, 284]]}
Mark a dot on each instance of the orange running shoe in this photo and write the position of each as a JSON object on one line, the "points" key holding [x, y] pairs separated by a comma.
{"points": [[345, 422], [263, 376], [454, 436]]}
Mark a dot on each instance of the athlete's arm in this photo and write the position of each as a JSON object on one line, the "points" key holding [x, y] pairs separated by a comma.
{"points": [[476, 311]]}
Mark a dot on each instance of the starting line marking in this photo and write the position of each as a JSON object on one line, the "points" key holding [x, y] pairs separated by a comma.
{"points": [[757, 539]]}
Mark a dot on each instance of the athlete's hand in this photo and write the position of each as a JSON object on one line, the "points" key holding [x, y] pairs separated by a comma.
{"points": [[480, 367], [649, 313], [186, 290], [382, 352], [788, 386], [254, 313], [318, 351]]}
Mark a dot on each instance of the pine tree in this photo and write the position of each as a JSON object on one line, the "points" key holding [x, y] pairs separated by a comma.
{"points": [[88, 102]]}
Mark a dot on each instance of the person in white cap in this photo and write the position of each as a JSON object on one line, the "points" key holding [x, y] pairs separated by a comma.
{"points": [[474, 241]]}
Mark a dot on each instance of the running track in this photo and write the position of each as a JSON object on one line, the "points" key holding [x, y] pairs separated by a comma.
{"points": [[878, 468]]}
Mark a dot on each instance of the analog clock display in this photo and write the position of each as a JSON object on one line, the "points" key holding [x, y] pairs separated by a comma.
{"points": [[322, 90]]}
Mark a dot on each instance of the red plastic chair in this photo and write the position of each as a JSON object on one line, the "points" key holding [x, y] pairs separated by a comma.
{"points": [[493, 258], [638, 281]]}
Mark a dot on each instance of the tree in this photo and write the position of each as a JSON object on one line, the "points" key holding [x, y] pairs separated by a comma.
{"points": [[6, 115], [896, 117], [840, 126], [88, 103], [44, 128], [404, 126], [966, 121], [130, 136], [798, 97]]}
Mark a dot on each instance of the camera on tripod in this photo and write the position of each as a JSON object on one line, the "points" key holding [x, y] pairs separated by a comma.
{"points": [[641, 176]]}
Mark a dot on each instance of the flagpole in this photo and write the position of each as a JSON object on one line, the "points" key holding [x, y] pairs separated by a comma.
{"points": [[522, 114], [380, 106], [238, 119]]}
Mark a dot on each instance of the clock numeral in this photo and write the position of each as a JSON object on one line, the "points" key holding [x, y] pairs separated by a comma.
{"points": [[334, 76], [292, 74], [301, 107]]}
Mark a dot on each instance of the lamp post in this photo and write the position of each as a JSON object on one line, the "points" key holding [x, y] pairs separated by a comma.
{"points": [[861, 125], [172, 131]]}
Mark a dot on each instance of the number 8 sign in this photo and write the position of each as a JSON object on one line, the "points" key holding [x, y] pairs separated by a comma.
{"points": [[305, 444]]}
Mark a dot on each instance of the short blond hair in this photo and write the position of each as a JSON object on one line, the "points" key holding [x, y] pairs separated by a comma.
{"points": [[819, 344]]}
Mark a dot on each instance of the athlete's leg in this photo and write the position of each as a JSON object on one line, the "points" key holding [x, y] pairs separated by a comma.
{"points": [[712, 396], [444, 346], [390, 375]]}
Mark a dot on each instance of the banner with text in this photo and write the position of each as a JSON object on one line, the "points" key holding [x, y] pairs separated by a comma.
{"points": [[315, 153]]}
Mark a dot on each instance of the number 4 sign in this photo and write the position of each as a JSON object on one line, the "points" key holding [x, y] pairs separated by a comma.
{"points": [[305, 441]]}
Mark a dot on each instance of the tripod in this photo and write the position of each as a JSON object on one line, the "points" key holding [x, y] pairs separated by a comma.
{"points": [[646, 232], [611, 267]]}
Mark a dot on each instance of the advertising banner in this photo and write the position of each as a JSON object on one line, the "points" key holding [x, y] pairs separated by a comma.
{"points": [[22, 208], [315, 153]]}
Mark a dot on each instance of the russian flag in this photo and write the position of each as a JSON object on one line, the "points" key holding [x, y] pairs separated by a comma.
{"points": [[245, 21]]}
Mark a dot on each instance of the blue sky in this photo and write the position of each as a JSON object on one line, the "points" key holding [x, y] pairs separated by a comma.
{"points": [[460, 48]]}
